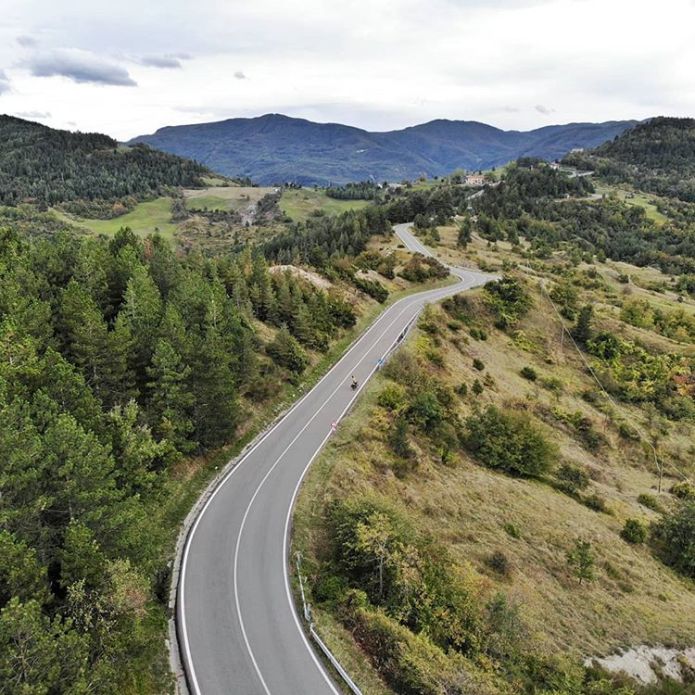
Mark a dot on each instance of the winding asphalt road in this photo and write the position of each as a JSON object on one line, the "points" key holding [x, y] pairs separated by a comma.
{"points": [[237, 625]]}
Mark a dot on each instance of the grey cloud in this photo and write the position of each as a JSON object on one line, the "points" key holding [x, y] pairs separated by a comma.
{"points": [[4, 82], [161, 61], [27, 41], [239, 75], [545, 110], [79, 66], [34, 115]]}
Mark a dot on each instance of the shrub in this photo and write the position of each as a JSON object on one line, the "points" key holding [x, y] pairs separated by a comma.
{"points": [[572, 478], [595, 502], [683, 490], [426, 410], [499, 562], [477, 387], [512, 530], [529, 373], [675, 537], [628, 432], [398, 438], [508, 299], [478, 333], [478, 364], [392, 397], [634, 531], [508, 441], [649, 501], [373, 288], [410, 663], [329, 588], [553, 384]]}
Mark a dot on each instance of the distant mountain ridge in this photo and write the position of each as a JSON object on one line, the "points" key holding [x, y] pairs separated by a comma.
{"points": [[275, 148]]}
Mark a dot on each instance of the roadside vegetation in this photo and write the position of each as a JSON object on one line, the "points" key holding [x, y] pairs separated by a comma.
{"points": [[513, 497]]}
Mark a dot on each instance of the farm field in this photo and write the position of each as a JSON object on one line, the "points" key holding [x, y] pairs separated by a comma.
{"points": [[227, 198], [146, 218], [300, 203]]}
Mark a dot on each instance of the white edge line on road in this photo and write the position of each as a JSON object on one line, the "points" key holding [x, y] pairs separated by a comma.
{"points": [[181, 596], [258, 489]]}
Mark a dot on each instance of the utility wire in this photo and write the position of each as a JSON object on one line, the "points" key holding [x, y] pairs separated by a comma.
{"points": [[638, 427]]}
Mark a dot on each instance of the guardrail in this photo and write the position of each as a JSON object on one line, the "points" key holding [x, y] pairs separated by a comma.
{"points": [[306, 607], [315, 636]]}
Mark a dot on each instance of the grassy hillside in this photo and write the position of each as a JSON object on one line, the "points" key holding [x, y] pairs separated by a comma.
{"points": [[405, 483]]}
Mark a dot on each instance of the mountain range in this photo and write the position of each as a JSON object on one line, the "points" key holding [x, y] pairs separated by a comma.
{"points": [[275, 148]]}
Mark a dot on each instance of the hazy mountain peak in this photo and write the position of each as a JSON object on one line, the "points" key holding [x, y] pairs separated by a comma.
{"points": [[274, 147]]}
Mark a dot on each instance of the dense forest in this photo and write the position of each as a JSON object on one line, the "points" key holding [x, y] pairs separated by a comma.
{"points": [[53, 166], [118, 358], [657, 156]]}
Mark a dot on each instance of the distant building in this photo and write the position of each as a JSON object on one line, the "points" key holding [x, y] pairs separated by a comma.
{"points": [[475, 180], [554, 165], [576, 150]]}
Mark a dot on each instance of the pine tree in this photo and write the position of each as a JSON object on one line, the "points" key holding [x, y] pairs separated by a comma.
{"points": [[170, 400], [582, 329], [142, 313]]}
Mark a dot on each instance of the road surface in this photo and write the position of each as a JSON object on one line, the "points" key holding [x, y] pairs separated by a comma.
{"points": [[237, 625]]}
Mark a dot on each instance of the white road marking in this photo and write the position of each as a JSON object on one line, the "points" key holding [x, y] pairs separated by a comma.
{"points": [[182, 581], [413, 299]]}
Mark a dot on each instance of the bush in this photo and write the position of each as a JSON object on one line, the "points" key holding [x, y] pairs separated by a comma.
{"points": [[628, 432], [373, 288], [675, 537], [595, 502], [634, 531], [529, 373], [499, 562], [649, 501], [508, 441], [683, 490], [477, 387], [478, 364], [508, 299], [398, 438], [410, 663], [392, 397], [512, 530], [572, 478]]}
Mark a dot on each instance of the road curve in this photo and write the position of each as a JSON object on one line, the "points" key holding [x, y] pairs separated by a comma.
{"points": [[237, 625]]}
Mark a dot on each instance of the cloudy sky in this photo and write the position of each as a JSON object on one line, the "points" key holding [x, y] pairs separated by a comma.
{"points": [[128, 67]]}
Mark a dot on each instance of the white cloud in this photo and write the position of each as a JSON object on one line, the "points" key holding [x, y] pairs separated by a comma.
{"points": [[377, 64], [78, 66], [4, 82]]}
